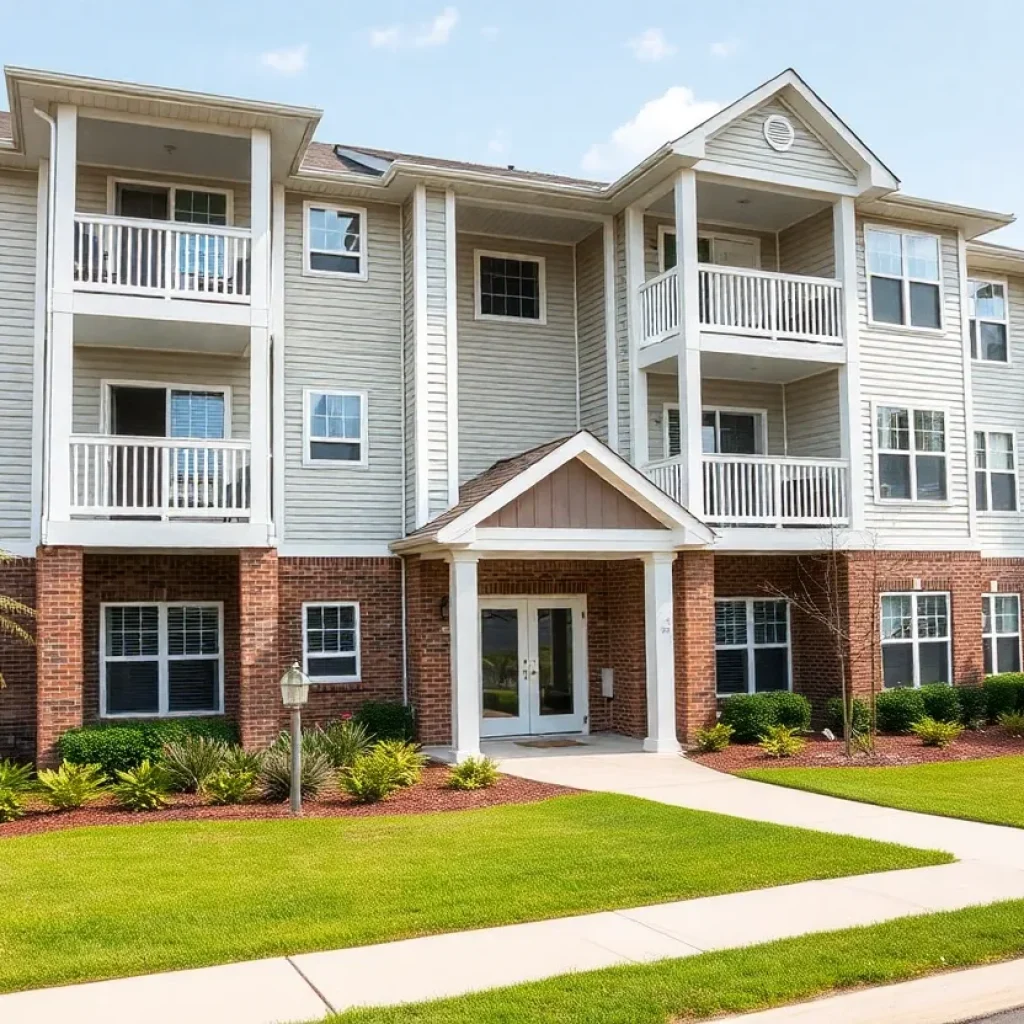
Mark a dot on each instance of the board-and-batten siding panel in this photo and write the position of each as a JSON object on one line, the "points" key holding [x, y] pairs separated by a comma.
{"points": [[437, 355], [652, 254], [17, 326], [345, 334], [923, 369], [623, 383], [997, 389], [742, 143], [812, 417], [593, 367], [807, 247], [517, 380], [93, 366], [409, 364]]}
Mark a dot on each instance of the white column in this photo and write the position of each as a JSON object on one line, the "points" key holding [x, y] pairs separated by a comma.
{"points": [[844, 229], [638, 450], [277, 361], [687, 278], [661, 665], [259, 223], [611, 352], [464, 619]]}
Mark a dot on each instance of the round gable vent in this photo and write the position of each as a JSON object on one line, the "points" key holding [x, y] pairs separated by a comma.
{"points": [[778, 132]]}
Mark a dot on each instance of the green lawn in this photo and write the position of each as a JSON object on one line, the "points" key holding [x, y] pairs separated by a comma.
{"points": [[736, 981], [988, 790], [109, 902]]}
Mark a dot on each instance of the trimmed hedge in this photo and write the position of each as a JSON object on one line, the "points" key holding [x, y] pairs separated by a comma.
{"points": [[1005, 692], [861, 716], [973, 705], [792, 710], [751, 715], [897, 710], [941, 702], [387, 720], [123, 746]]}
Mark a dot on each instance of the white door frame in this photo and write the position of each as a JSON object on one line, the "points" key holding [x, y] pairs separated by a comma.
{"points": [[529, 721]]}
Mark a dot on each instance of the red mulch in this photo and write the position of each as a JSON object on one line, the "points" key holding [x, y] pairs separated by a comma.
{"points": [[429, 796], [890, 751]]}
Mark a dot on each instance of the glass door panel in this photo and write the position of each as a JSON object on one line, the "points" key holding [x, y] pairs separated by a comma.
{"points": [[503, 661], [554, 661]]}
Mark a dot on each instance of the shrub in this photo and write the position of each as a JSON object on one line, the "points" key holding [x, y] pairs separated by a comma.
{"points": [[12, 805], [897, 710], [238, 759], [191, 760], [276, 772], [750, 715], [1005, 693], [933, 733], [342, 742], [228, 787], [409, 762], [144, 788], [372, 777], [973, 706], [860, 717], [1013, 723], [387, 720], [17, 778], [714, 738], [791, 709], [942, 702], [71, 785], [782, 741], [473, 773]]}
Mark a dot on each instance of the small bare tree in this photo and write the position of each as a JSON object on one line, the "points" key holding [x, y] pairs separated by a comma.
{"points": [[11, 610]]}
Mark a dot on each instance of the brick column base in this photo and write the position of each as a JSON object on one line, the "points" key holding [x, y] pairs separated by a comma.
{"points": [[693, 581], [58, 647], [260, 715], [428, 642]]}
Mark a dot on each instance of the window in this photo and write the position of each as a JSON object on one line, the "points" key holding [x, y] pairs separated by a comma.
{"points": [[194, 207], [1000, 632], [723, 431], [911, 454], [336, 428], [510, 287], [915, 639], [751, 646], [724, 250], [330, 642], [905, 284], [988, 321], [335, 241], [995, 472], [161, 659]]}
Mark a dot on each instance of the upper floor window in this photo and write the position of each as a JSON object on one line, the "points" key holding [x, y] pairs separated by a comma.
{"points": [[723, 431], [335, 428], [712, 247], [335, 240], [915, 639], [995, 472], [751, 645], [988, 321], [911, 445], [510, 287], [330, 642], [1000, 632], [904, 271]]}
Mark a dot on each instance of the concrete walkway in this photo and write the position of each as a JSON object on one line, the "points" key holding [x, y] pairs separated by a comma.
{"points": [[304, 987]]}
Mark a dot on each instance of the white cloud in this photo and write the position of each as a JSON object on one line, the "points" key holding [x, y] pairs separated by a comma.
{"points": [[651, 46], [498, 144], [288, 61], [724, 47], [439, 30], [435, 32], [386, 38], [658, 121]]}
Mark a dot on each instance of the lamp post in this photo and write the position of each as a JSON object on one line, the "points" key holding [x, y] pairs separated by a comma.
{"points": [[294, 693]]}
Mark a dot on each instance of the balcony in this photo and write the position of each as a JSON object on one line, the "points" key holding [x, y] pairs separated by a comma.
{"points": [[748, 303]]}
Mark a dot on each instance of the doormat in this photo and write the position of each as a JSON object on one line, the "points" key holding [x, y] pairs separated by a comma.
{"points": [[549, 744]]}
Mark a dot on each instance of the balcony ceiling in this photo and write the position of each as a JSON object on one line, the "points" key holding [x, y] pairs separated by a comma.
{"points": [[166, 335], [512, 223]]}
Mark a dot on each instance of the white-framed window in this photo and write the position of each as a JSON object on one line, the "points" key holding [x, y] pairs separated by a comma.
{"points": [[330, 641], [157, 200], [1000, 632], [989, 321], [995, 471], [161, 659], [335, 428], [510, 286], [916, 646], [910, 459], [724, 431], [904, 278], [334, 240], [752, 645], [712, 247]]}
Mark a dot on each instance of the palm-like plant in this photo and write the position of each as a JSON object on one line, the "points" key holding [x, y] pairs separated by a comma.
{"points": [[10, 611]]}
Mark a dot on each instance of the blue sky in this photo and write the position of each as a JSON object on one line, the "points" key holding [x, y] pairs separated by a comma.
{"points": [[577, 88]]}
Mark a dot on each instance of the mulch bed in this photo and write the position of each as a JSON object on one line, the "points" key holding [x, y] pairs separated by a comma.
{"points": [[890, 751], [429, 796]]}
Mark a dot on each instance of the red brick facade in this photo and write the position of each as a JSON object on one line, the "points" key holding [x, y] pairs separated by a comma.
{"points": [[18, 664], [693, 593]]}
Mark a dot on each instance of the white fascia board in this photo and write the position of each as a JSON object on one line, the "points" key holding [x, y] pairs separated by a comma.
{"points": [[594, 542]]}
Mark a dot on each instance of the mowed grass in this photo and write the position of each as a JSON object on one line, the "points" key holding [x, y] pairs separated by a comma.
{"points": [[736, 981], [988, 790], [110, 902]]}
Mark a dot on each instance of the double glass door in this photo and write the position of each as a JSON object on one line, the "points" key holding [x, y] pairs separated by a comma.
{"points": [[532, 665]]}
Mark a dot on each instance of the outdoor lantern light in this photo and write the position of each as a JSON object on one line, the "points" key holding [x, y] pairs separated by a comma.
{"points": [[294, 687], [295, 693]]}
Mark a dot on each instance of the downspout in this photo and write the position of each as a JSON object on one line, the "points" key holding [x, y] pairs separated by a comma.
{"points": [[404, 488], [48, 325]]}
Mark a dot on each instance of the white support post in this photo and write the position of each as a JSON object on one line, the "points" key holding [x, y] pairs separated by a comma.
{"points": [[661, 669], [638, 447], [844, 229], [464, 619], [688, 282], [611, 334], [277, 361], [259, 224], [259, 425]]}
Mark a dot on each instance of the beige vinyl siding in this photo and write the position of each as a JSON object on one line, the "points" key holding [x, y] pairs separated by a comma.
{"points": [[812, 417], [409, 365], [437, 355], [344, 334], [742, 144], [593, 367], [923, 369], [517, 380], [808, 248], [95, 365], [652, 256], [17, 344], [997, 390], [622, 376]]}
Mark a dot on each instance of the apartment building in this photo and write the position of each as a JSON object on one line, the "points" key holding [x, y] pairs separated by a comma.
{"points": [[535, 454]]}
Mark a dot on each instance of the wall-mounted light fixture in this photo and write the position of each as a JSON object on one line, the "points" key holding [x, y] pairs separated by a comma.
{"points": [[443, 608]]}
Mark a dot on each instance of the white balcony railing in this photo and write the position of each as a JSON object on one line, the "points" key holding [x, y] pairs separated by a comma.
{"points": [[754, 490], [154, 257], [168, 478], [757, 303]]}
